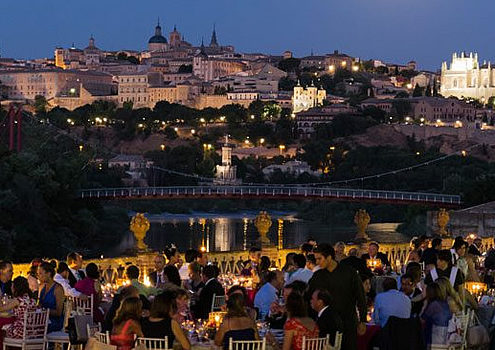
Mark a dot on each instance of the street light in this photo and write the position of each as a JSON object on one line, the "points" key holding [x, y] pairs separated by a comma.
{"points": [[81, 148], [162, 147], [252, 116], [355, 68], [281, 148], [262, 141], [176, 129], [202, 120], [193, 131]]}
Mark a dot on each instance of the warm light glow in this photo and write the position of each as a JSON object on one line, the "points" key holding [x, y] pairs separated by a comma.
{"points": [[202, 120], [80, 148], [343, 63], [140, 125], [193, 131], [202, 248], [72, 90], [146, 281], [439, 121], [246, 142], [222, 118], [374, 264], [409, 86], [162, 147], [176, 129], [331, 68], [252, 116], [476, 288], [464, 153], [262, 141], [417, 153], [355, 68], [293, 115]]}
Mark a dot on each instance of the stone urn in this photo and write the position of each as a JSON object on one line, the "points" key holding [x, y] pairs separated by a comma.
{"points": [[139, 226], [263, 222], [442, 221], [362, 220]]}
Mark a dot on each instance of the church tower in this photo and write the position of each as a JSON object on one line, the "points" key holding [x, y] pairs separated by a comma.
{"points": [[213, 41], [226, 173], [174, 38]]}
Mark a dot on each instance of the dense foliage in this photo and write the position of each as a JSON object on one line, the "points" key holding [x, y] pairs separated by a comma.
{"points": [[39, 211]]}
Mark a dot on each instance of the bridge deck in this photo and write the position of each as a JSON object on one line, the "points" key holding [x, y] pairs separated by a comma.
{"points": [[272, 192]]}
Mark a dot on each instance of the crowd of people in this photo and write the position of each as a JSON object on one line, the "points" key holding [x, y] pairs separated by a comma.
{"points": [[321, 290]]}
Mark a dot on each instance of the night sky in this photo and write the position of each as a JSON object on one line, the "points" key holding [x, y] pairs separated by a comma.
{"points": [[393, 30]]}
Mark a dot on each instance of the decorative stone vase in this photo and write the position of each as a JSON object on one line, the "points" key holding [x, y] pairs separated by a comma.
{"points": [[139, 226], [361, 219], [443, 218], [263, 222]]}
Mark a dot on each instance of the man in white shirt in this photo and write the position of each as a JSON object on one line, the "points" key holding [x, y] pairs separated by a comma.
{"points": [[62, 278], [302, 273], [267, 294], [391, 303]]}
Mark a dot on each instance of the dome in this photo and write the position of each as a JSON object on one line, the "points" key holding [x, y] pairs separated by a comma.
{"points": [[157, 39]]}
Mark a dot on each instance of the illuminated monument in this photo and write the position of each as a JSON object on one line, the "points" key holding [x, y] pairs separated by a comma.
{"points": [[226, 173], [467, 78]]}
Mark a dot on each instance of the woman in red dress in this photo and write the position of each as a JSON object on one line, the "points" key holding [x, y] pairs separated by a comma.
{"points": [[127, 324], [22, 303], [298, 324]]}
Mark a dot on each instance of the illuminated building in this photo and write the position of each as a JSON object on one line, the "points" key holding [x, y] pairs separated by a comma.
{"points": [[467, 78], [305, 99]]}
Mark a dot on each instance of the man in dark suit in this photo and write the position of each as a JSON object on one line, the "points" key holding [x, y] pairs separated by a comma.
{"points": [[212, 287], [156, 277], [76, 273], [329, 322], [357, 263], [374, 253], [6, 272]]}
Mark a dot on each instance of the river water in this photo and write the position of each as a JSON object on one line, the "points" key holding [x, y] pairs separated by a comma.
{"points": [[228, 232]]}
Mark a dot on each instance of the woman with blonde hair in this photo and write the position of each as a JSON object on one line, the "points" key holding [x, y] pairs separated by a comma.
{"points": [[127, 323], [453, 298]]}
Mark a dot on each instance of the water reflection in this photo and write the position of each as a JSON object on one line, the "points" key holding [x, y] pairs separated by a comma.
{"points": [[226, 232]]}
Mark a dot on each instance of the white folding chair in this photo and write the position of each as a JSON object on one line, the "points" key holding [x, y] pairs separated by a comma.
{"points": [[34, 332], [61, 337], [82, 306], [154, 343], [92, 329], [465, 320], [337, 344], [247, 344], [217, 302], [103, 337], [315, 343]]}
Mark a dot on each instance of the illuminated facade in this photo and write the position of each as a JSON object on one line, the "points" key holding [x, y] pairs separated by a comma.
{"points": [[226, 172], [467, 78], [305, 99]]}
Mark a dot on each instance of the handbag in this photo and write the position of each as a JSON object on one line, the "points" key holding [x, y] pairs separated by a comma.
{"points": [[477, 334], [77, 330], [94, 344]]}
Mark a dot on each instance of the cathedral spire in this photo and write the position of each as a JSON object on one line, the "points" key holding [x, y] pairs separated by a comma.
{"points": [[91, 41], [214, 42]]}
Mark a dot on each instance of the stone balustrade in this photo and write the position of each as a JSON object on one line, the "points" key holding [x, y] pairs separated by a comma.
{"points": [[230, 262]]}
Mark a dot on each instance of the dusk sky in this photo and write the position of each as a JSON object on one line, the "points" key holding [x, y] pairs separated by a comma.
{"points": [[427, 31]]}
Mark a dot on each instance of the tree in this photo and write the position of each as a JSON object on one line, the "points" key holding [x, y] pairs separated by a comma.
{"points": [[435, 91], [401, 107], [289, 65], [428, 91], [40, 104], [256, 108], [402, 94], [286, 84], [418, 91], [185, 68], [133, 59]]}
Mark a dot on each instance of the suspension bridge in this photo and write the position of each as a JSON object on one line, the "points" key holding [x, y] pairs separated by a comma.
{"points": [[272, 192]]}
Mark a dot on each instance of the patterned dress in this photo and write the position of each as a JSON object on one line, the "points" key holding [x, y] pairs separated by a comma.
{"points": [[294, 324], [26, 304]]}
